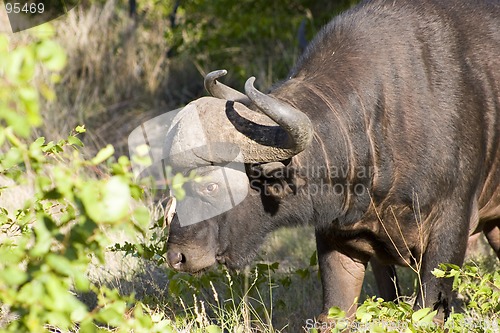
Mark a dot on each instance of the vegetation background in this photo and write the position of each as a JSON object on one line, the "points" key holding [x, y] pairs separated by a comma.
{"points": [[68, 200], [124, 69]]}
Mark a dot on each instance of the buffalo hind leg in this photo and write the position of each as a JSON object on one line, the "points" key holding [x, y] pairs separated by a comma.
{"points": [[492, 232], [386, 280]]}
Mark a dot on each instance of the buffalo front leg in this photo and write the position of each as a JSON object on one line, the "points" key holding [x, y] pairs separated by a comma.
{"points": [[341, 277]]}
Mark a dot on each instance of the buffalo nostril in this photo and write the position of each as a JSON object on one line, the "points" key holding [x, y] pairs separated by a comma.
{"points": [[175, 258]]}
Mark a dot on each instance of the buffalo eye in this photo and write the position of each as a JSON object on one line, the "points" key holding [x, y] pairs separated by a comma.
{"points": [[211, 188]]}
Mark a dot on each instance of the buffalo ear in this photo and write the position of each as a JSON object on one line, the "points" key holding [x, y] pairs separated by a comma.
{"points": [[266, 170], [273, 169], [278, 179]]}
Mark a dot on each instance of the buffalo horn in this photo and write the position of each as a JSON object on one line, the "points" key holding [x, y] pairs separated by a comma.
{"points": [[294, 122], [169, 211], [219, 90]]}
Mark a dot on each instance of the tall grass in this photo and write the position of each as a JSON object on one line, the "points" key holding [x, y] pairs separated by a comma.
{"points": [[118, 75]]}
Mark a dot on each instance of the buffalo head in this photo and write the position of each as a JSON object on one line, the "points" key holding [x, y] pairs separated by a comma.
{"points": [[239, 145]]}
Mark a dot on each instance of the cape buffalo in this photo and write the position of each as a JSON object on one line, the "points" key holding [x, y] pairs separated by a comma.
{"points": [[385, 137]]}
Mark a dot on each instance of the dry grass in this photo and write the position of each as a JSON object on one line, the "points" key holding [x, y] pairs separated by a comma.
{"points": [[108, 73], [118, 75]]}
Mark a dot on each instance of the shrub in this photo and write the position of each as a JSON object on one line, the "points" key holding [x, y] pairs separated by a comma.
{"points": [[57, 232], [480, 314]]}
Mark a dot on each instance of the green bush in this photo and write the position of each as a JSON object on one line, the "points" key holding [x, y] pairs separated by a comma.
{"points": [[481, 312], [48, 244], [248, 37], [19, 97]]}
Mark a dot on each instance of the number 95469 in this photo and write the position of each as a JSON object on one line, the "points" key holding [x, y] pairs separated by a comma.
{"points": [[28, 8]]}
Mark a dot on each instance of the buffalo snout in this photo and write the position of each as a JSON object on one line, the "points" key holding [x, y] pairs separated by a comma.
{"points": [[175, 259]]}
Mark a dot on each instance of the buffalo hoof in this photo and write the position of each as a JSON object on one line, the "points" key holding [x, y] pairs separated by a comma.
{"points": [[326, 325]]}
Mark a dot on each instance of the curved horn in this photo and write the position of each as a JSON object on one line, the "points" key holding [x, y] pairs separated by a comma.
{"points": [[219, 90], [271, 131], [169, 211], [297, 124]]}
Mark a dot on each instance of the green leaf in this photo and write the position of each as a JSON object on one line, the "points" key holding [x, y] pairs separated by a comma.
{"points": [[286, 281], [177, 182], [103, 155], [60, 264], [108, 202], [424, 315], [112, 314], [46, 92], [28, 66], [2, 136], [142, 150], [377, 329], [496, 279], [213, 329], [19, 123], [12, 158], [87, 326], [73, 140], [452, 266], [31, 292], [364, 312], [38, 142], [313, 261], [303, 273], [4, 43], [90, 194], [58, 295], [52, 55], [336, 313], [43, 239], [13, 276], [59, 319], [438, 273], [141, 215], [13, 66], [81, 282], [29, 98], [80, 129], [116, 199], [45, 30]]}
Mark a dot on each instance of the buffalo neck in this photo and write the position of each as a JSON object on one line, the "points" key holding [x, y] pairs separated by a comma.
{"points": [[338, 165]]}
